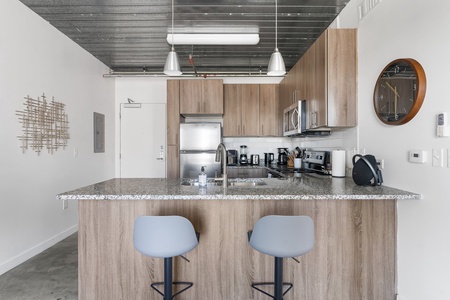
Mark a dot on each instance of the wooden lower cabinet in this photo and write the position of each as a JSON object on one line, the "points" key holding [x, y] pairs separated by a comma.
{"points": [[353, 256], [247, 172]]}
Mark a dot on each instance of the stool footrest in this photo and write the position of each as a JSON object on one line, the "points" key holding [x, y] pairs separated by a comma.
{"points": [[255, 286], [188, 285]]}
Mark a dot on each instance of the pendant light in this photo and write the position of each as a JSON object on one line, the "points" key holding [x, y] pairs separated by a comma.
{"points": [[276, 63], [172, 66]]}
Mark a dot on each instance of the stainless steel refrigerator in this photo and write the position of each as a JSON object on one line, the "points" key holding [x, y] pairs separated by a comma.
{"points": [[198, 144]]}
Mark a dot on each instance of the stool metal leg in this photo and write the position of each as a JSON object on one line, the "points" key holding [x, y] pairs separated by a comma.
{"points": [[168, 278], [278, 282], [168, 281]]}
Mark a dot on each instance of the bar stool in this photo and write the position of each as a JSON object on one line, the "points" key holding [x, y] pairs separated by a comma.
{"points": [[281, 237], [165, 237]]}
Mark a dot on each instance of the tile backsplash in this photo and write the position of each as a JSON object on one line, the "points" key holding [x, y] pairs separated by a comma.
{"points": [[339, 139]]}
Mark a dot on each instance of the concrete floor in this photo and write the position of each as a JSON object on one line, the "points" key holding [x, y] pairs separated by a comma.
{"points": [[50, 275]]}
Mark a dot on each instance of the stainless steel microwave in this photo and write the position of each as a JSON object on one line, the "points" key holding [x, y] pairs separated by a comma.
{"points": [[294, 119]]}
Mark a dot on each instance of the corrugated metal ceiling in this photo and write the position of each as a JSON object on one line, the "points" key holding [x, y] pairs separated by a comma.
{"points": [[130, 35]]}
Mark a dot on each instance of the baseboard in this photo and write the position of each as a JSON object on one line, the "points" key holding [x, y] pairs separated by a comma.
{"points": [[24, 256]]}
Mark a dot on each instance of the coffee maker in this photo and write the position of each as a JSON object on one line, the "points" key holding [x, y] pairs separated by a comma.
{"points": [[282, 156], [243, 156], [232, 157]]}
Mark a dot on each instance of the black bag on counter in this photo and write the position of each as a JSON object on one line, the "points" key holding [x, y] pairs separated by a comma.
{"points": [[366, 171]]}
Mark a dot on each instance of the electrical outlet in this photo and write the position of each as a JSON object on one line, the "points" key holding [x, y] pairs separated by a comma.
{"points": [[438, 158], [65, 204], [380, 163]]}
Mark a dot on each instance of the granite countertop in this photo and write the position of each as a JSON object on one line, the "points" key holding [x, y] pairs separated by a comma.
{"points": [[305, 187]]}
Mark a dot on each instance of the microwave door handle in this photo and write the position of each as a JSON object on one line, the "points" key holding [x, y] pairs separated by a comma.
{"points": [[292, 118]]}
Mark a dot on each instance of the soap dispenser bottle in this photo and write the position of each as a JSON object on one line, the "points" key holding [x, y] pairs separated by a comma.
{"points": [[202, 178]]}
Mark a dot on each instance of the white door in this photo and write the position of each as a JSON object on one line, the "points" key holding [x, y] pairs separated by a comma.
{"points": [[142, 140]]}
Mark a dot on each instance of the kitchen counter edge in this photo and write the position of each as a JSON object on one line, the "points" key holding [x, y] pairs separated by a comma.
{"points": [[305, 188]]}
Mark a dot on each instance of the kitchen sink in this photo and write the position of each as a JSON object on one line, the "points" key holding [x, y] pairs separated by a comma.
{"points": [[231, 182]]}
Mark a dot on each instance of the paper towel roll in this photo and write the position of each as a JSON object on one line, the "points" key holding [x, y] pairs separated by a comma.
{"points": [[338, 163]]}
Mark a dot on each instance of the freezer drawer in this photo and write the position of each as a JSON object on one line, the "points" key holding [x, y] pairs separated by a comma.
{"points": [[200, 136], [191, 163]]}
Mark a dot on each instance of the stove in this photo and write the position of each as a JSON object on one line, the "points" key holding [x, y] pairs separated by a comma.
{"points": [[317, 161]]}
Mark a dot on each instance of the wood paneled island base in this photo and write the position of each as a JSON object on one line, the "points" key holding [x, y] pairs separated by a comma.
{"points": [[353, 257]]}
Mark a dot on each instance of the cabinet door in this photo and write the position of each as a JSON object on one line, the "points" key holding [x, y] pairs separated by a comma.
{"points": [[173, 112], [269, 114], [249, 98], [232, 111], [212, 98], [173, 161], [191, 96], [342, 77], [283, 94], [318, 113]]}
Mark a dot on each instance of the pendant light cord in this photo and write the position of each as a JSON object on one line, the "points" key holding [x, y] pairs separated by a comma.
{"points": [[276, 24], [172, 25]]}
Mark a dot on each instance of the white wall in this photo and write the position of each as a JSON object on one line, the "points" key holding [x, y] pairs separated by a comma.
{"points": [[36, 58], [417, 29]]}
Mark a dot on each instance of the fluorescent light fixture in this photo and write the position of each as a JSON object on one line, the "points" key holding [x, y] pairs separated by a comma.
{"points": [[213, 39]]}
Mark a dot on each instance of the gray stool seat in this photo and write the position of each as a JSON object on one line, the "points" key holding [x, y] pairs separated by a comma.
{"points": [[165, 237], [281, 237]]}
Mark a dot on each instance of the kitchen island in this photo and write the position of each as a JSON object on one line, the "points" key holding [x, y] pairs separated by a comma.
{"points": [[354, 256]]}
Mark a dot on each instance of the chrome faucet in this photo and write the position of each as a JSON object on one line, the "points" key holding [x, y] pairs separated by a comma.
{"points": [[221, 154]]}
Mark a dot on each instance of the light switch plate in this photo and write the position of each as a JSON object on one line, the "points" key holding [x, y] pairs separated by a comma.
{"points": [[438, 158], [448, 158]]}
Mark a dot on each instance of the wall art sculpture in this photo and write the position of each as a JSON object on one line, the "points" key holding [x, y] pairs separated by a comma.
{"points": [[44, 125]]}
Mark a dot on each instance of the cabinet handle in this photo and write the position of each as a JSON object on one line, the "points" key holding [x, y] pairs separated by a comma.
{"points": [[243, 129], [204, 106], [239, 129], [314, 119], [262, 129]]}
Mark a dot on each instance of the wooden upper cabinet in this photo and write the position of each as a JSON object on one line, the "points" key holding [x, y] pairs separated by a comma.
{"points": [[241, 117], [334, 96], [232, 111], [212, 96], [191, 96], [326, 77], [342, 73], [269, 110], [251, 110], [201, 96]]}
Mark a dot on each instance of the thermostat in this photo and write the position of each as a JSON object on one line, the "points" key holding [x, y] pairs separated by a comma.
{"points": [[442, 128], [418, 156]]}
